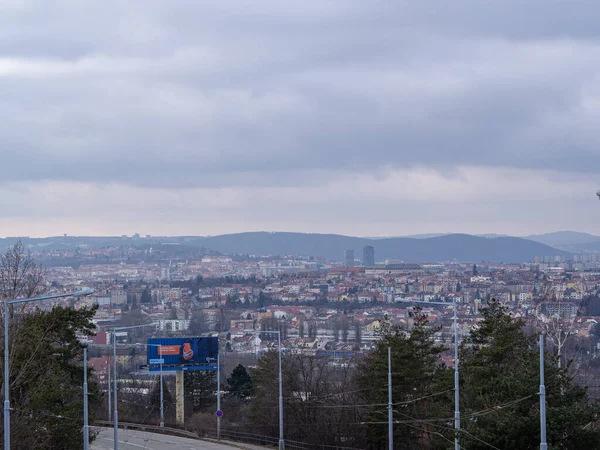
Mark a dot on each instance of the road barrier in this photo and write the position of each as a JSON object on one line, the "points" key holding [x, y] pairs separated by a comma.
{"points": [[226, 435], [150, 428]]}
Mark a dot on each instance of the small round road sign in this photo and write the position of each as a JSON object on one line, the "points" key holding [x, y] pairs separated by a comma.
{"points": [[219, 413]]}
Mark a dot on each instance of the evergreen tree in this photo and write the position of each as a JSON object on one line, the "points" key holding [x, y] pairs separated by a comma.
{"points": [[45, 393], [240, 385], [420, 383], [146, 297], [500, 387], [263, 414]]}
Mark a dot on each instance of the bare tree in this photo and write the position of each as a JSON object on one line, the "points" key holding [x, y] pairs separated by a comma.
{"points": [[313, 329], [198, 323], [336, 330], [20, 275], [557, 327], [345, 329]]}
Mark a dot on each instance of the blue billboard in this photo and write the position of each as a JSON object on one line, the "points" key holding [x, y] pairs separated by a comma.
{"points": [[195, 353]]}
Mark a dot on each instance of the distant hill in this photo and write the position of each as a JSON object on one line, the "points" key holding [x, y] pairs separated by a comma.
{"points": [[448, 247], [458, 247], [564, 238], [432, 235]]}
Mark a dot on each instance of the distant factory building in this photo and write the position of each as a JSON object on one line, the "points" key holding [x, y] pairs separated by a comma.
{"points": [[368, 256], [349, 258]]}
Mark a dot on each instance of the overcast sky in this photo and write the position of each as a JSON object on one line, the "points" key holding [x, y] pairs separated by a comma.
{"points": [[370, 118]]}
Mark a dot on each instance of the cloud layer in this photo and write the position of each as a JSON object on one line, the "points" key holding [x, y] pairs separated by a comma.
{"points": [[337, 116]]}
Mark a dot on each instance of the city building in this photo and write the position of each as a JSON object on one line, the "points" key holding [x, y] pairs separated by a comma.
{"points": [[349, 258], [368, 256]]}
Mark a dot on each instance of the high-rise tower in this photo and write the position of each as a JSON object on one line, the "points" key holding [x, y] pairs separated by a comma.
{"points": [[349, 258], [368, 256]]}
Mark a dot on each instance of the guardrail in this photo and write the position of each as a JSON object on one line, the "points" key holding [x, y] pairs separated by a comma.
{"points": [[249, 438], [151, 428], [271, 441], [227, 435]]}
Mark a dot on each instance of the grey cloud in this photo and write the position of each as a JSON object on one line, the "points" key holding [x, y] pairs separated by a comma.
{"points": [[208, 93]]}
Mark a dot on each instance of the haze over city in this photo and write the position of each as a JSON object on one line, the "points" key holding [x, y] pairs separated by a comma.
{"points": [[386, 119]]}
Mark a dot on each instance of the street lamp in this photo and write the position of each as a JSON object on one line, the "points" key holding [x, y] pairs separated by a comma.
{"points": [[162, 409], [11, 301], [86, 427], [456, 386], [281, 440], [116, 413]]}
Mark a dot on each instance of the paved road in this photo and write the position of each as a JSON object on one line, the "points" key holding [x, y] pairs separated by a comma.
{"points": [[143, 440]]}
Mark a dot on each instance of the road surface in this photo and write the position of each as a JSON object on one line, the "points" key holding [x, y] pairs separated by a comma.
{"points": [[143, 440]]}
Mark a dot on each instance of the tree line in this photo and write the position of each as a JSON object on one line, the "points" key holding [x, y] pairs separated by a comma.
{"points": [[344, 402]]}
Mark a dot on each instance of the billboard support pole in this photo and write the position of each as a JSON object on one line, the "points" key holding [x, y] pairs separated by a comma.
{"points": [[179, 381]]}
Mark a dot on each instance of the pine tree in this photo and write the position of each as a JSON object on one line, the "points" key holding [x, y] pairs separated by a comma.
{"points": [[240, 385], [500, 386], [263, 414], [417, 374], [45, 393]]}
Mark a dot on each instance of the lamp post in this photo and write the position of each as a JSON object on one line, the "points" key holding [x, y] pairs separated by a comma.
{"points": [[456, 384], [108, 390], [116, 413], [162, 409], [281, 440], [543, 443], [11, 301], [218, 394], [86, 428], [390, 405]]}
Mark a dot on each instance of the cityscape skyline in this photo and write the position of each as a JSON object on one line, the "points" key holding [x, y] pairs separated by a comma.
{"points": [[333, 224]]}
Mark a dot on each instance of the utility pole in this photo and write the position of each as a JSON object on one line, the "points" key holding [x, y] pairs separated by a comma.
{"points": [[108, 389], [456, 384], [116, 405], [86, 428], [543, 443], [390, 406], [281, 440], [116, 414], [218, 395], [162, 405]]}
